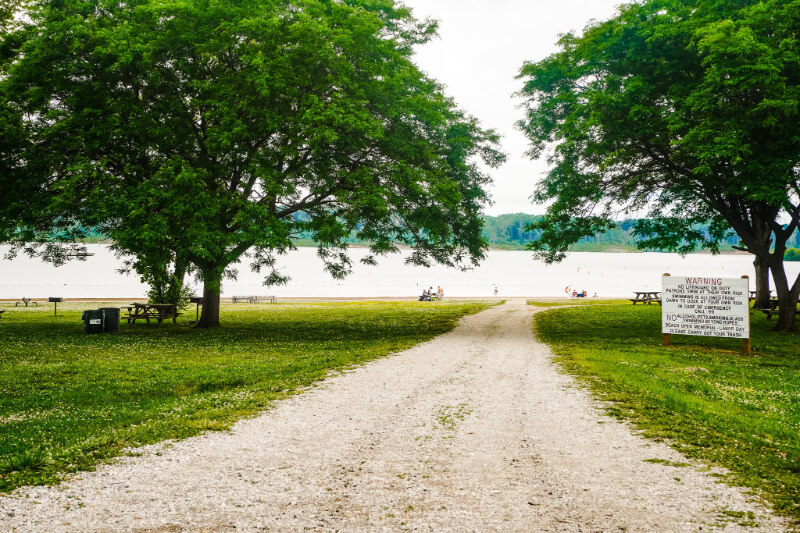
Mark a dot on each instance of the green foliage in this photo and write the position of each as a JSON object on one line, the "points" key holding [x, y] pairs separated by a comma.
{"points": [[170, 293], [686, 111], [710, 402], [70, 400], [193, 133], [792, 254]]}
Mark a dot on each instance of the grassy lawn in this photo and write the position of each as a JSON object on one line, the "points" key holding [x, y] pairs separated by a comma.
{"points": [[70, 400], [700, 394]]}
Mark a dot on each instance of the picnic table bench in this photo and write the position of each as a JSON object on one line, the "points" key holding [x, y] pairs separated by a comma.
{"points": [[159, 312], [1, 312], [253, 299], [646, 297], [773, 309], [26, 301]]}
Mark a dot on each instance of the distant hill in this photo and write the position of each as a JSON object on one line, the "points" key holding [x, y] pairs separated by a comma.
{"points": [[507, 232]]}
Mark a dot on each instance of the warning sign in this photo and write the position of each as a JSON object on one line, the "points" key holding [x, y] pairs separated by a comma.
{"points": [[708, 307]]}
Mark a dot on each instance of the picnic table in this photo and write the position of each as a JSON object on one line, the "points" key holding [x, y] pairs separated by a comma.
{"points": [[646, 297], [159, 312], [26, 301], [753, 295], [253, 299], [773, 309]]}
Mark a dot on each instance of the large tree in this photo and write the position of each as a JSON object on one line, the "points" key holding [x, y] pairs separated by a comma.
{"points": [[686, 110], [217, 130]]}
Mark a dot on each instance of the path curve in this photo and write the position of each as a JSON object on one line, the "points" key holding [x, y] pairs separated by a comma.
{"points": [[473, 431]]}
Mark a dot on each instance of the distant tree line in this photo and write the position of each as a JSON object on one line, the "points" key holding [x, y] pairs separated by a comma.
{"points": [[510, 232]]}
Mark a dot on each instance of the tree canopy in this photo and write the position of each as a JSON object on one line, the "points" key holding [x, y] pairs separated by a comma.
{"points": [[686, 110], [196, 132]]}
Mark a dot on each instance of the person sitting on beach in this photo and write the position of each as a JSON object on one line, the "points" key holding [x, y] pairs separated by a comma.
{"points": [[431, 293], [425, 296]]}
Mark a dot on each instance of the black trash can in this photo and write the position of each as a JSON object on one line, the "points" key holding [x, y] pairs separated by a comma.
{"points": [[92, 321], [110, 319]]}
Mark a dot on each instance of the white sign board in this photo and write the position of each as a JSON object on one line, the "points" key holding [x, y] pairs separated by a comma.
{"points": [[708, 307]]}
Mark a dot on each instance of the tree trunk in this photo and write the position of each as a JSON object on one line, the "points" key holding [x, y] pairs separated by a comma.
{"points": [[762, 284], [787, 298], [212, 283]]}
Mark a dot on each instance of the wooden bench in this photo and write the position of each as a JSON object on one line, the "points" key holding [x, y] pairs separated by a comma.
{"points": [[253, 299], [769, 312], [773, 311], [647, 301], [133, 317]]}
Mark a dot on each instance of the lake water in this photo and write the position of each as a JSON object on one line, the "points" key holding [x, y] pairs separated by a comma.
{"points": [[514, 273]]}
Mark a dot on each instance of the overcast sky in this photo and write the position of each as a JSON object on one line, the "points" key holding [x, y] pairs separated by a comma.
{"points": [[481, 46]]}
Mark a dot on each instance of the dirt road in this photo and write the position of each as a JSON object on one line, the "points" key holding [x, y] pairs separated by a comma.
{"points": [[473, 431]]}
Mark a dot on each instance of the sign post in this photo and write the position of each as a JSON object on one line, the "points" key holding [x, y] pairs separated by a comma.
{"points": [[667, 336], [707, 307], [746, 342]]}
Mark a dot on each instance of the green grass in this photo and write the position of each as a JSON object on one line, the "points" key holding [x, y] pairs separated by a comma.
{"points": [[701, 394], [69, 400]]}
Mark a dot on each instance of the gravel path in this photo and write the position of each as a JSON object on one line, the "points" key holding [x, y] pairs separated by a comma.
{"points": [[472, 431]]}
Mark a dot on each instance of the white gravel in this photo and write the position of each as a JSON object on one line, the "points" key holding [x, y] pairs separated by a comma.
{"points": [[475, 430]]}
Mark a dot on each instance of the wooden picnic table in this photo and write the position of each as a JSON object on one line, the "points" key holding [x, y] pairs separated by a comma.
{"points": [[140, 311], [753, 295], [646, 297], [774, 309]]}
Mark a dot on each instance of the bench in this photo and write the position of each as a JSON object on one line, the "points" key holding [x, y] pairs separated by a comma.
{"points": [[253, 299], [645, 300], [769, 312], [774, 312], [133, 317]]}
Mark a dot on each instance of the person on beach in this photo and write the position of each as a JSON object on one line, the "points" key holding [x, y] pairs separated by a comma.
{"points": [[495, 290], [439, 292]]}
